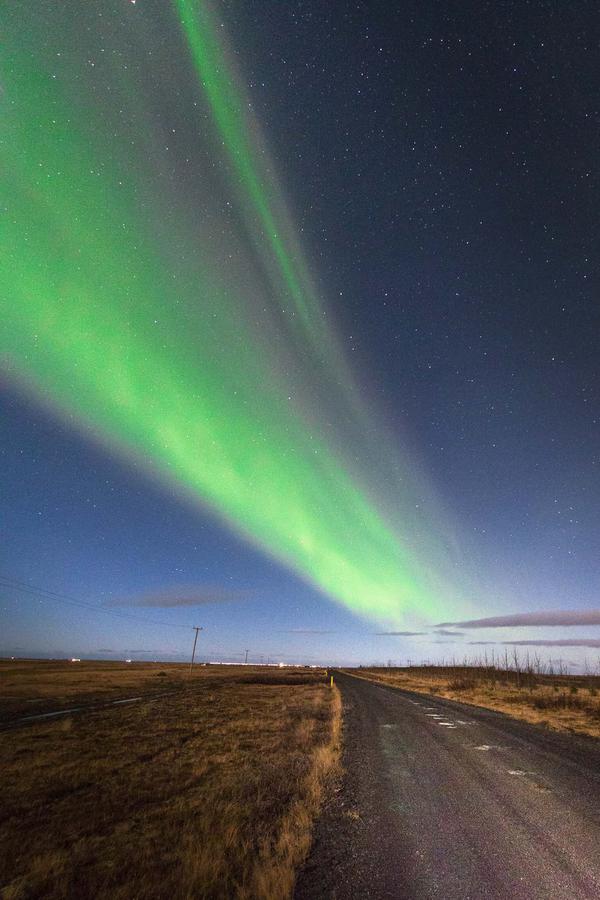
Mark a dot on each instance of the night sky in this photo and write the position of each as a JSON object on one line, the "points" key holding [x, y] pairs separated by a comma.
{"points": [[300, 330]]}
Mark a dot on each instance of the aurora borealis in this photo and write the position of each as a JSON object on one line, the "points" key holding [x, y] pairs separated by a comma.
{"points": [[184, 327], [299, 313]]}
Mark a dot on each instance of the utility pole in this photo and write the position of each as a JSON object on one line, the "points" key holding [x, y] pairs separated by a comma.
{"points": [[246, 660], [196, 629]]}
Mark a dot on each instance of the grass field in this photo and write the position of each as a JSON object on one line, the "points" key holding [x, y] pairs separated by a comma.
{"points": [[207, 792], [559, 701], [28, 687]]}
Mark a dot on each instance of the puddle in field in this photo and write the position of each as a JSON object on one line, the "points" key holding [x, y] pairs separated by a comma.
{"points": [[50, 715], [74, 709]]}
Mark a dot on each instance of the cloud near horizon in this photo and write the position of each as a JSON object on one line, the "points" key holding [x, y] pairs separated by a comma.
{"points": [[541, 642], [561, 642], [399, 633], [308, 631], [190, 596], [551, 618]]}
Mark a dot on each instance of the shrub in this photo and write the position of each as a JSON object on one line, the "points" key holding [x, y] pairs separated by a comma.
{"points": [[461, 684]]}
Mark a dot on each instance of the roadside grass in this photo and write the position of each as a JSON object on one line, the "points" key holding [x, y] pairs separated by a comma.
{"points": [[559, 701], [210, 792]]}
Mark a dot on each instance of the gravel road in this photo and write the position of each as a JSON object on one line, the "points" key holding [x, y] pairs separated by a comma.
{"points": [[450, 801]]}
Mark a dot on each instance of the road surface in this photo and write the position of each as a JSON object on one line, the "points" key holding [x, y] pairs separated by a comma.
{"points": [[443, 800]]}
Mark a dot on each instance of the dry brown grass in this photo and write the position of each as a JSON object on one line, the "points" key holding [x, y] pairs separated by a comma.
{"points": [[28, 687], [209, 792], [564, 703]]}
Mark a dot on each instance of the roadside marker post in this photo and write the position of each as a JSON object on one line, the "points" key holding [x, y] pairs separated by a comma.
{"points": [[332, 681]]}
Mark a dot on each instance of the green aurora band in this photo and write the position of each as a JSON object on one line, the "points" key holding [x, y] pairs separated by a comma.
{"points": [[183, 327]]}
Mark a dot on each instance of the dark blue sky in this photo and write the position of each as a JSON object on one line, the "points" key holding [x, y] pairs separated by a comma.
{"points": [[441, 161]]}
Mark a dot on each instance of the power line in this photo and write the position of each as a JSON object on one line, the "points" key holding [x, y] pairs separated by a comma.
{"points": [[197, 628], [10, 583], [55, 597]]}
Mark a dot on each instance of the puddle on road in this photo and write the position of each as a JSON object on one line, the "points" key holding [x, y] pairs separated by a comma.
{"points": [[533, 779], [486, 747]]}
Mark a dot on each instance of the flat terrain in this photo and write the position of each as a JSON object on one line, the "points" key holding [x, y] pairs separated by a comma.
{"points": [[30, 687], [205, 787], [444, 800]]}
